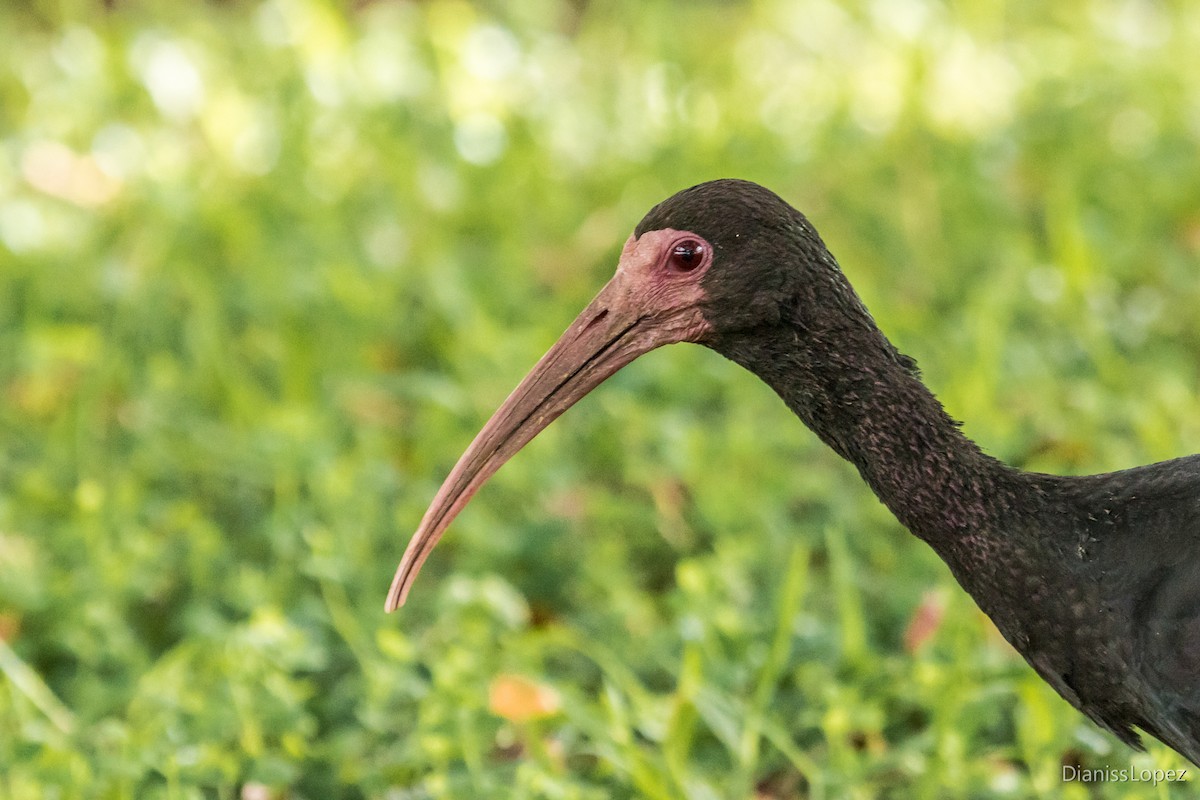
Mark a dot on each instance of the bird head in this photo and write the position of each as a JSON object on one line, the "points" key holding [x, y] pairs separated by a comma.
{"points": [[703, 265]]}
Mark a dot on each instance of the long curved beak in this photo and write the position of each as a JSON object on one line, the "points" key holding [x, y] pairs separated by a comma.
{"points": [[630, 316], [605, 337]]}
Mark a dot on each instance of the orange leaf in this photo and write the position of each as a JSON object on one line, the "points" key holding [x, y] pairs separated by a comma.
{"points": [[519, 699]]}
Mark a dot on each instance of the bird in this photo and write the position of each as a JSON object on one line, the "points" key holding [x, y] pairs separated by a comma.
{"points": [[1093, 579]]}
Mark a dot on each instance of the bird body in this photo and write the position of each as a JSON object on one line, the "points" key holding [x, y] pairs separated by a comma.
{"points": [[1093, 579]]}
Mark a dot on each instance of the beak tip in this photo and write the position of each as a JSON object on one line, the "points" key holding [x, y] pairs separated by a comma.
{"points": [[397, 594], [410, 564]]}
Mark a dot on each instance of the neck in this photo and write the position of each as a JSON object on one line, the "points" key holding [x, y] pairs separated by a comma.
{"points": [[864, 399]]}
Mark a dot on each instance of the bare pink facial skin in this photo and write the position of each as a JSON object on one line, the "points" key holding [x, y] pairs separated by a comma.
{"points": [[654, 299]]}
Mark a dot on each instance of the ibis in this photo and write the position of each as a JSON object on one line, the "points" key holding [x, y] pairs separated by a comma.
{"points": [[1094, 579]]}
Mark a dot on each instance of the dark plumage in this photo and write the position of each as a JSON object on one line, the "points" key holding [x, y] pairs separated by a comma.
{"points": [[1093, 579]]}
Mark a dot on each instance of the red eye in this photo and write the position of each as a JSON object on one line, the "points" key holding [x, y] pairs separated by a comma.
{"points": [[686, 255]]}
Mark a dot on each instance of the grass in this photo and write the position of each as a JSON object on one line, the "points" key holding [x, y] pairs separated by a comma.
{"points": [[265, 269]]}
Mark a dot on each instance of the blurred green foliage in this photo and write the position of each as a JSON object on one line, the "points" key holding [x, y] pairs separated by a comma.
{"points": [[266, 267]]}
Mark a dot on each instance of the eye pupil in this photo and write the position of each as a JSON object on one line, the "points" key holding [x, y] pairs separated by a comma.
{"points": [[686, 256]]}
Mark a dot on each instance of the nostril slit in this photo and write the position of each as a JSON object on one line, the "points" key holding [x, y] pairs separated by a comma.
{"points": [[596, 319]]}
